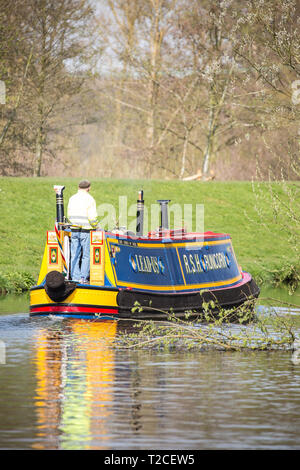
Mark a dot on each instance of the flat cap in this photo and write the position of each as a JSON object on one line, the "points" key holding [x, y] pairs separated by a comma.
{"points": [[84, 184]]}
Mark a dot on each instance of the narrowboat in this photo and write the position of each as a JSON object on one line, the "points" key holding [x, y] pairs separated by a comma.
{"points": [[137, 276]]}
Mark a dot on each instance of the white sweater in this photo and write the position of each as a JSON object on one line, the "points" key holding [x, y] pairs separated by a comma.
{"points": [[82, 210]]}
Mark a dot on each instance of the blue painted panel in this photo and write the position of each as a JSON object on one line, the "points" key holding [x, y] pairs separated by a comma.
{"points": [[174, 265], [208, 264], [145, 266]]}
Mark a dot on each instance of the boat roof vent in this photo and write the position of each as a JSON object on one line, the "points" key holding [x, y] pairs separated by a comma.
{"points": [[164, 215]]}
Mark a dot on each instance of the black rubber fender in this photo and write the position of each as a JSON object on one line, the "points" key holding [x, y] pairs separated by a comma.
{"points": [[56, 286]]}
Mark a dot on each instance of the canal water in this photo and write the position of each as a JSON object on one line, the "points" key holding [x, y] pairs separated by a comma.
{"points": [[64, 386]]}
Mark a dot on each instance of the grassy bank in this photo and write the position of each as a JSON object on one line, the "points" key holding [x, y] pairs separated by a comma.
{"points": [[27, 208]]}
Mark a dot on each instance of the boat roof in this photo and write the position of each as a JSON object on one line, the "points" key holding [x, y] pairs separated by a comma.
{"points": [[163, 235]]}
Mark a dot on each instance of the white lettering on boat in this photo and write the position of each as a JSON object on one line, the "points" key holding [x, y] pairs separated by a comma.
{"points": [[147, 264], [195, 264]]}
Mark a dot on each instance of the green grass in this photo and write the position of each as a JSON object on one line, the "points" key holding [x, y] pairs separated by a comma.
{"points": [[27, 208]]}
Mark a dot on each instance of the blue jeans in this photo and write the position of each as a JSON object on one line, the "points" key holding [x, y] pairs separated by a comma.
{"points": [[80, 244]]}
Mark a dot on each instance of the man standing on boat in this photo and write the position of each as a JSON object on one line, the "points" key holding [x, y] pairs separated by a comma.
{"points": [[82, 214]]}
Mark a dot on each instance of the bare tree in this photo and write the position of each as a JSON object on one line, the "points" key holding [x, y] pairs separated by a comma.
{"points": [[140, 29], [266, 41], [14, 65], [205, 29], [120, 34], [54, 41]]}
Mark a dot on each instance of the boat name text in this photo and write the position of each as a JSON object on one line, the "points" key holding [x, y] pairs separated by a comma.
{"points": [[195, 263], [147, 264]]}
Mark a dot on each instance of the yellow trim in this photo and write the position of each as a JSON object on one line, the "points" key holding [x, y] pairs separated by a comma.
{"points": [[79, 296], [108, 266], [97, 268], [180, 265], [172, 245], [175, 287], [44, 266], [114, 271], [178, 287]]}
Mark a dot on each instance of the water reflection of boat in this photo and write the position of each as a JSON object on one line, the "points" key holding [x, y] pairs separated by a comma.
{"points": [[165, 270], [75, 372]]}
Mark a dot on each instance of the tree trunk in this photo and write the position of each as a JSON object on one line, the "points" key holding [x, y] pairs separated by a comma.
{"points": [[209, 145], [184, 151], [38, 152], [213, 113], [156, 37]]}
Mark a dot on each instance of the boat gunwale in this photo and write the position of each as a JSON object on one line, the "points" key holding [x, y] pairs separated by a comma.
{"points": [[57, 308], [246, 277], [168, 237]]}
